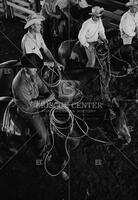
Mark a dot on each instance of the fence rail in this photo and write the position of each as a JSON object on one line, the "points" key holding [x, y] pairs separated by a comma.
{"points": [[18, 8], [2, 7]]}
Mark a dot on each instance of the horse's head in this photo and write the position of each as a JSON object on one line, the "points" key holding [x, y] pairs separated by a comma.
{"points": [[119, 123], [101, 49], [114, 38]]}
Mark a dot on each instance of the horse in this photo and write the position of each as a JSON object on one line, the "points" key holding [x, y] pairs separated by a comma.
{"points": [[72, 55], [71, 51]]}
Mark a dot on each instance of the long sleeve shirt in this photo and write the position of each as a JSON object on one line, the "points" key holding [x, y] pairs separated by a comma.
{"points": [[31, 45], [128, 24], [27, 90], [91, 31]]}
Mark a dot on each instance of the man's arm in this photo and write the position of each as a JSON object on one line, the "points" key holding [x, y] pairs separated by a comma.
{"points": [[81, 35], [102, 31], [25, 46], [25, 100], [42, 87], [49, 55]]}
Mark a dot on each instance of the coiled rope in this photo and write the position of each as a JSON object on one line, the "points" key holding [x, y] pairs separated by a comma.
{"points": [[52, 73], [64, 129], [108, 56]]}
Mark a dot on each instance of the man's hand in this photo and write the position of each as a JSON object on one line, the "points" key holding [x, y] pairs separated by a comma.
{"points": [[60, 66], [51, 97], [49, 64], [86, 45], [52, 64], [48, 99], [103, 41]]}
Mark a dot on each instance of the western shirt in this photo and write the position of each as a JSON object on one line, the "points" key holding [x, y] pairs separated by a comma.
{"points": [[128, 24], [90, 32], [29, 44], [26, 91]]}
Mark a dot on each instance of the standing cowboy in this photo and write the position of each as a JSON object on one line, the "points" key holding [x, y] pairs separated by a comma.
{"points": [[128, 30], [32, 41], [129, 23], [92, 31]]}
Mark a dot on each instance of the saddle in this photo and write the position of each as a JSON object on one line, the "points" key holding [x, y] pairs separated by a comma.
{"points": [[13, 123], [10, 63]]}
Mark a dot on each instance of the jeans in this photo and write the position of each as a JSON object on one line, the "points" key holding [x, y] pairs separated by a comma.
{"points": [[36, 123], [90, 52]]}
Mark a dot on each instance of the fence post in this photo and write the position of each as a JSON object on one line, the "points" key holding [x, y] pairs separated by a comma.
{"points": [[5, 7]]}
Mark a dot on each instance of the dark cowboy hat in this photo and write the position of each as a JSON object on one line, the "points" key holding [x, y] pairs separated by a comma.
{"points": [[31, 60], [97, 11]]}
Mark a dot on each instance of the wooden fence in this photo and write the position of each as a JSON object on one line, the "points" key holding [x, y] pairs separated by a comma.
{"points": [[3, 8], [18, 8]]}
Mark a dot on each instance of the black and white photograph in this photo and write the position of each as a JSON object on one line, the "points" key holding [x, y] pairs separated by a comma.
{"points": [[68, 99]]}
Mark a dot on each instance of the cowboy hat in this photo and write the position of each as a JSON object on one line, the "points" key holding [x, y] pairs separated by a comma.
{"points": [[97, 11], [132, 3], [31, 60], [32, 19]]}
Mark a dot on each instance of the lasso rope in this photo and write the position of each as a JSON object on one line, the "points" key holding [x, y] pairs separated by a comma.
{"points": [[59, 131], [55, 130], [58, 75], [109, 56], [75, 119]]}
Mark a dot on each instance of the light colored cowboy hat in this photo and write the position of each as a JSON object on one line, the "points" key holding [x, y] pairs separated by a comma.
{"points": [[33, 18], [132, 3], [97, 11]]}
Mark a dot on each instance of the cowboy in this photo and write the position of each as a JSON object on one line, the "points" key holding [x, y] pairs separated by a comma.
{"points": [[32, 41], [129, 30], [129, 23], [92, 31], [66, 20], [52, 16], [27, 88]]}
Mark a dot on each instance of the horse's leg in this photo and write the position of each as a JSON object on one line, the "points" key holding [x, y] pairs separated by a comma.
{"points": [[127, 52]]}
